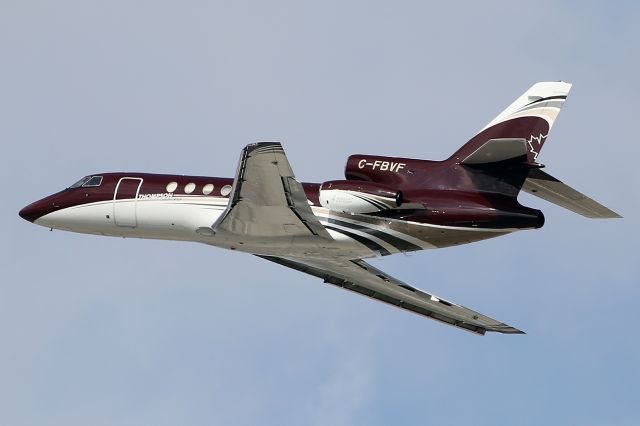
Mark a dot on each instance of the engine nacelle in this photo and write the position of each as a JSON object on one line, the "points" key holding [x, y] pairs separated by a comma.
{"points": [[358, 196]]}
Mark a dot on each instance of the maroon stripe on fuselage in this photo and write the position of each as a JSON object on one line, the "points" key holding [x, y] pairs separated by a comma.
{"points": [[153, 185]]}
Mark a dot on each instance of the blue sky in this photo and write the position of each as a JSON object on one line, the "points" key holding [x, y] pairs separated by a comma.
{"points": [[109, 331]]}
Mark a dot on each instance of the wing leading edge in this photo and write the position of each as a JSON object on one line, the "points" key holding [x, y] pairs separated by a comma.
{"points": [[360, 277]]}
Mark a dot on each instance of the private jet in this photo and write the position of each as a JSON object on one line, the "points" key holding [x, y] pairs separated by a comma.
{"points": [[383, 206]]}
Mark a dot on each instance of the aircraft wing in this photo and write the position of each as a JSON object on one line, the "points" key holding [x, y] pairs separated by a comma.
{"points": [[266, 200], [360, 277]]}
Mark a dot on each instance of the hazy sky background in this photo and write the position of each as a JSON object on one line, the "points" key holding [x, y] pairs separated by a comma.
{"points": [[105, 331]]}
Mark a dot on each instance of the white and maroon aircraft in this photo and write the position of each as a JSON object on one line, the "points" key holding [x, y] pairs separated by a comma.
{"points": [[385, 205]]}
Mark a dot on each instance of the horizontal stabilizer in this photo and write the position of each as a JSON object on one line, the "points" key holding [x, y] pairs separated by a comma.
{"points": [[495, 150], [548, 188]]}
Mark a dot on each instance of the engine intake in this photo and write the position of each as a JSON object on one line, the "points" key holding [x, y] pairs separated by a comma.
{"points": [[358, 196]]}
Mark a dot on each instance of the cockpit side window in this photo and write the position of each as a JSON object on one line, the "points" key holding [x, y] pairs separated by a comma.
{"points": [[87, 181], [81, 182], [93, 181]]}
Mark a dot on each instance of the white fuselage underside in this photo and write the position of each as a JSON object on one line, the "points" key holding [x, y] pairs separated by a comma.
{"points": [[191, 218]]}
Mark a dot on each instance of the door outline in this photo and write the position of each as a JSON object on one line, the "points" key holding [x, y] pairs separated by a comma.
{"points": [[133, 219]]}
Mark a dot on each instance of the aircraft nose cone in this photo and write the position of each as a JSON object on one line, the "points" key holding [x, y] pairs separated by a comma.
{"points": [[32, 212]]}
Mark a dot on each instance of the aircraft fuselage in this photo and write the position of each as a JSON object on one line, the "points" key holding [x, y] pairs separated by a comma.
{"points": [[184, 208]]}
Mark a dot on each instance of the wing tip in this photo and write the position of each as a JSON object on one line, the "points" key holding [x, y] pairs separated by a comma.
{"points": [[263, 145], [505, 329], [608, 215], [614, 215]]}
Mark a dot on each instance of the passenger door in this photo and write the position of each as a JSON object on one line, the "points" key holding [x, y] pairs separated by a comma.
{"points": [[125, 199]]}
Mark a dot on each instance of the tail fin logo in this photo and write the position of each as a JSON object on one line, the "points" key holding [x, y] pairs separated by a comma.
{"points": [[535, 149]]}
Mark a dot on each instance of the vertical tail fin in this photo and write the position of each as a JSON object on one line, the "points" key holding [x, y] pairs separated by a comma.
{"points": [[530, 117]]}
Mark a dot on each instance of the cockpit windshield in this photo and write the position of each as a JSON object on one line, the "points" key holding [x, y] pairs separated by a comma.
{"points": [[81, 182], [87, 181]]}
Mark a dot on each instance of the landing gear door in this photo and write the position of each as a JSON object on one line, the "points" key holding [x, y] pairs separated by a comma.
{"points": [[125, 200]]}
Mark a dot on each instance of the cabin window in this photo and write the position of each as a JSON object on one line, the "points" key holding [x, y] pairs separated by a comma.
{"points": [[93, 181], [225, 190], [172, 186], [207, 189], [188, 188]]}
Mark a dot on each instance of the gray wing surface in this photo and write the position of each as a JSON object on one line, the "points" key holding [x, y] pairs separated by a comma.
{"points": [[360, 277], [266, 200]]}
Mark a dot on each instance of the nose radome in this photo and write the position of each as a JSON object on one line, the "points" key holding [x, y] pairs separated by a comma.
{"points": [[32, 212], [36, 210]]}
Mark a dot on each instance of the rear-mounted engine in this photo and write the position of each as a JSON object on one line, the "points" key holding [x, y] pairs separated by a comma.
{"points": [[358, 196]]}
